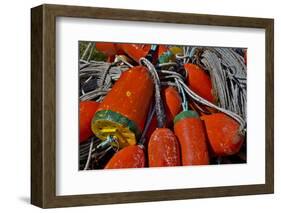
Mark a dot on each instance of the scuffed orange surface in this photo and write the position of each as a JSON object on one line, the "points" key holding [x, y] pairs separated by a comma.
{"points": [[128, 157], [190, 133], [135, 51], [87, 111], [172, 102], [163, 149], [131, 95], [223, 134], [199, 82]]}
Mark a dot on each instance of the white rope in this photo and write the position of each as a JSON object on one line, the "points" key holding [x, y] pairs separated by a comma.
{"points": [[118, 59], [86, 51], [89, 155], [90, 54]]}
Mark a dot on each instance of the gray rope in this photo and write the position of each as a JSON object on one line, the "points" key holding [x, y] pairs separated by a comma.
{"points": [[228, 74], [159, 107], [181, 91], [147, 124], [86, 51], [91, 51], [103, 74]]}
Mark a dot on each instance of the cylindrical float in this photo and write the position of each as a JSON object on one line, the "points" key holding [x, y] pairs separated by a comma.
{"points": [[163, 149], [135, 51], [172, 102], [123, 112], [108, 48], [223, 134], [199, 82], [87, 110], [190, 132], [130, 157]]}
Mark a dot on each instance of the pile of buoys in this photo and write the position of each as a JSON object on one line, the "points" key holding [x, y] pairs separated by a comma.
{"points": [[150, 121]]}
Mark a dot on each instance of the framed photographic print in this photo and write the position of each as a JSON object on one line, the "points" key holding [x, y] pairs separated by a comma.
{"points": [[137, 106]]}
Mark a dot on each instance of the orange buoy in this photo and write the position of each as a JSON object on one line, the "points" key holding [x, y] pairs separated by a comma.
{"points": [[108, 48], [223, 134], [172, 102], [123, 112], [163, 149], [86, 112], [129, 157], [199, 82], [190, 132], [135, 51]]}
